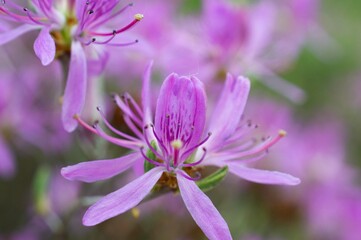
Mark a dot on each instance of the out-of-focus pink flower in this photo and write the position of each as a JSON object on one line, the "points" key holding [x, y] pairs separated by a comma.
{"points": [[68, 27], [315, 151], [334, 212]]}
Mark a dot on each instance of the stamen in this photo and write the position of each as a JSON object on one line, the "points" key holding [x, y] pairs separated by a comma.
{"points": [[104, 42], [135, 104], [196, 146], [84, 124], [124, 106], [198, 162], [258, 149], [188, 177], [117, 141], [31, 18], [137, 18], [106, 19], [150, 145], [88, 42], [123, 44], [150, 160], [113, 129], [160, 142], [248, 159]]}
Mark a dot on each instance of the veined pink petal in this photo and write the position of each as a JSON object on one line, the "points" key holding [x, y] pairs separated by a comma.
{"points": [[202, 210], [146, 97], [229, 109], [75, 90], [262, 176], [123, 199], [7, 167], [8, 36], [93, 171], [181, 110], [44, 46]]}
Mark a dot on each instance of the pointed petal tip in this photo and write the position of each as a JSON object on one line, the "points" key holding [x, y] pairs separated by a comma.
{"points": [[65, 172], [69, 124], [88, 221], [294, 181], [44, 47], [202, 210], [244, 81]]}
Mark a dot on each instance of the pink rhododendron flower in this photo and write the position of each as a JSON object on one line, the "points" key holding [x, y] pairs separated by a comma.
{"points": [[179, 146]]}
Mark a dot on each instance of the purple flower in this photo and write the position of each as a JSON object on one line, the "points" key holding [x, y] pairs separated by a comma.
{"points": [[179, 147], [68, 28]]}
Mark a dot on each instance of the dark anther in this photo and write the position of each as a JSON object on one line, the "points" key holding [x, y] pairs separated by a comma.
{"points": [[114, 32], [136, 41], [95, 124], [98, 108], [249, 123], [90, 12], [94, 39], [25, 9]]}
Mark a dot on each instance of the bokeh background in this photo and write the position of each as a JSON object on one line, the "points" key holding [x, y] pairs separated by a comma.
{"points": [[322, 147]]}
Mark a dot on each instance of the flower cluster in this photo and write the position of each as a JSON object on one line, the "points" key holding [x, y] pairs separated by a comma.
{"points": [[68, 27], [187, 119]]}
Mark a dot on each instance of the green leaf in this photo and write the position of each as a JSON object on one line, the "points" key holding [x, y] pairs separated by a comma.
{"points": [[212, 180], [147, 165]]}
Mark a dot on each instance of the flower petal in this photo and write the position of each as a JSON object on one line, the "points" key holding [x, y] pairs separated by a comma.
{"points": [[100, 169], [8, 36], [44, 46], [75, 90], [229, 109], [146, 101], [7, 167], [181, 110], [262, 176], [123, 199], [202, 210]]}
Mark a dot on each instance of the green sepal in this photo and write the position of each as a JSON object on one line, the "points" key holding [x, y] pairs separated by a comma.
{"points": [[147, 165], [212, 180]]}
